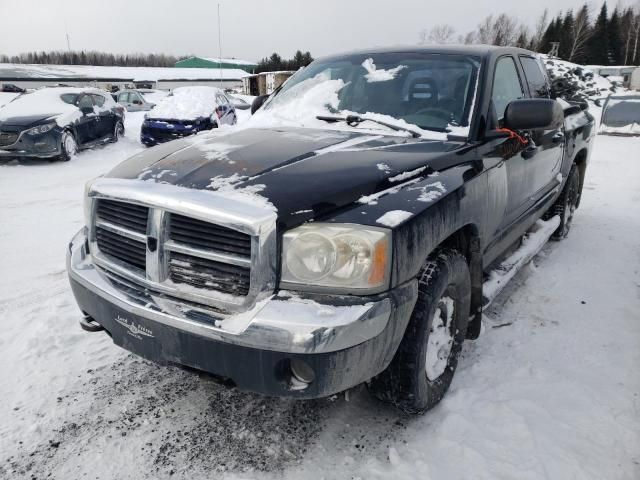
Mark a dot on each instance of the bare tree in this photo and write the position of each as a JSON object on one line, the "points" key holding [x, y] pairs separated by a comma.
{"points": [[438, 34], [505, 30], [541, 27], [581, 33]]}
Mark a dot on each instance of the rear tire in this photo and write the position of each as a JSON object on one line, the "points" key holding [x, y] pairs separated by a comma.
{"points": [[566, 204], [68, 147], [421, 371]]}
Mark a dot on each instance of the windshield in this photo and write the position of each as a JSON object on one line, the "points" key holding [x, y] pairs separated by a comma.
{"points": [[431, 91]]}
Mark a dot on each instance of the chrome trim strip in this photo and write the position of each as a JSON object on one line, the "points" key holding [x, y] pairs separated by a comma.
{"points": [[209, 255], [283, 322], [112, 227]]}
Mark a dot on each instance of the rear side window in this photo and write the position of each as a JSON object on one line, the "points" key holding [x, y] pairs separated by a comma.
{"points": [[506, 85], [123, 97], [98, 99], [69, 98], [535, 77]]}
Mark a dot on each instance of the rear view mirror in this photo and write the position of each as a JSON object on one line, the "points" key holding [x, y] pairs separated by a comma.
{"points": [[535, 113], [258, 102]]}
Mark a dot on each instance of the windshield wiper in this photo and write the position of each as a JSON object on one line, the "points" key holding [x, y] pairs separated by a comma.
{"points": [[355, 120]]}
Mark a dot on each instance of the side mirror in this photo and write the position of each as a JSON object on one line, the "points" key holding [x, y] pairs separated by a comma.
{"points": [[258, 102], [534, 113], [86, 110], [137, 102]]}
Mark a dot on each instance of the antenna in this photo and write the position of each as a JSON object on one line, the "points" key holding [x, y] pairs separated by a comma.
{"points": [[66, 32], [219, 46]]}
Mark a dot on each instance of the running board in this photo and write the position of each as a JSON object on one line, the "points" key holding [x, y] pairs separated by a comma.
{"points": [[532, 243]]}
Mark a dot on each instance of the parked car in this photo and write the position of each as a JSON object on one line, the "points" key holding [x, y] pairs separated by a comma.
{"points": [[56, 122], [621, 115], [11, 88], [344, 235], [187, 111], [138, 100]]}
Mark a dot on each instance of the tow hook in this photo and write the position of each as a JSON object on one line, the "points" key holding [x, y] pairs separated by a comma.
{"points": [[88, 324]]}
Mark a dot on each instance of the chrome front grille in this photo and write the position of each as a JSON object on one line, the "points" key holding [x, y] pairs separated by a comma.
{"points": [[126, 215], [209, 274], [200, 247], [198, 234], [121, 248]]}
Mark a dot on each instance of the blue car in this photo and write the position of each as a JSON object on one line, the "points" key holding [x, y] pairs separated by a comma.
{"points": [[187, 111]]}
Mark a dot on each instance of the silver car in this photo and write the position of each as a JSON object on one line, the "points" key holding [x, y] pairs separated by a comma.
{"points": [[133, 100]]}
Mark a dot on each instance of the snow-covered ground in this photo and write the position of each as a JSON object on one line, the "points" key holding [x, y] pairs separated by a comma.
{"points": [[550, 390]]}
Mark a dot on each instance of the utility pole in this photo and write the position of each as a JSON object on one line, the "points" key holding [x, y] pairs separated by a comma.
{"points": [[219, 46]]}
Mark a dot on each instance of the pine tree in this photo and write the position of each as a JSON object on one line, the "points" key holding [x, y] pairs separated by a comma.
{"points": [[598, 48], [615, 39]]}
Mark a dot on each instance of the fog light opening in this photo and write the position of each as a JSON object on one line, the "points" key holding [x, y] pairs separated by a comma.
{"points": [[302, 375]]}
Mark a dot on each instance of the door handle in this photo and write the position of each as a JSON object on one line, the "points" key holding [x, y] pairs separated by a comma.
{"points": [[558, 137], [529, 152]]}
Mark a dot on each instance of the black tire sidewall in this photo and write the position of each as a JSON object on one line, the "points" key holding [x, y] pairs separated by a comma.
{"points": [[64, 154], [451, 278], [561, 205]]}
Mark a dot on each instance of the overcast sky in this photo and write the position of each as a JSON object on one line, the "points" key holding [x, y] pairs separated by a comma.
{"points": [[250, 29]]}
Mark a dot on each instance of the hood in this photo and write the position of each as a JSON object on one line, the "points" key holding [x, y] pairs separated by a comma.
{"points": [[295, 169], [28, 120]]}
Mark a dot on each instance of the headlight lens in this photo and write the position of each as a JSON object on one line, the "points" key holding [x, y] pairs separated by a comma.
{"points": [[40, 129], [340, 257]]}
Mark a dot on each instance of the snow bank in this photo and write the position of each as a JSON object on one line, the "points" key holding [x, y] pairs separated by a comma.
{"points": [[187, 103], [572, 80]]}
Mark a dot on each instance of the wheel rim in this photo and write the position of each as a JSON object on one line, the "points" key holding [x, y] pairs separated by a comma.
{"points": [[440, 341], [70, 146]]}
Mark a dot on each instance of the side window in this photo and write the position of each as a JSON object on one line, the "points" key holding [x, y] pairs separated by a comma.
{"points": [[85, 101], [535, 77], [123, 97], [506, 85], [98, 99]]}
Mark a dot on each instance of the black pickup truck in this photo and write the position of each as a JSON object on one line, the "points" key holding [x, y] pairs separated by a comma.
{"points": [[343, 234]]}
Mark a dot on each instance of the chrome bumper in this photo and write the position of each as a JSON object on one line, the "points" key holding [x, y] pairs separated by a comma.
{"points": [[282, 322]]}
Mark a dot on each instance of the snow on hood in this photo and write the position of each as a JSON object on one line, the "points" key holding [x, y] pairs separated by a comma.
{"points": [[45, 103], [299, 106], [187, 103]]}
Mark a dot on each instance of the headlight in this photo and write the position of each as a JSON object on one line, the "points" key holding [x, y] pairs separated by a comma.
{"points": [[40, 129], [88, 202], [337, 257]]}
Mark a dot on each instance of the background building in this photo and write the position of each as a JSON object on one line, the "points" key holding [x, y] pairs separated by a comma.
{"points": [[204, 62]]}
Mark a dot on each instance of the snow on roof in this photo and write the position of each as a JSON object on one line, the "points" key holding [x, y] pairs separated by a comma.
{"points": [[35, 71]]}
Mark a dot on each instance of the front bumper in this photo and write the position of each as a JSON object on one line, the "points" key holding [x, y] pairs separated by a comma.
{"points": [[46, 145], [344, 340]]}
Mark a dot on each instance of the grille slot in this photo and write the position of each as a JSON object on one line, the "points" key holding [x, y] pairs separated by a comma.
{"points": [[207, 236], [8, 138], [122, 248], [126, 215], [208, 274]]}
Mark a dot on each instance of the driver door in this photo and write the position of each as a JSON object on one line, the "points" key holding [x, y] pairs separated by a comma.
{"points": [[508, 86], [87, 125]]}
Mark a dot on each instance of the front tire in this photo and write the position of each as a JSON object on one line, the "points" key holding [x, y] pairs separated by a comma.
{"points": [[424, 365], [68, 146], [566, 204], [118, 132]]}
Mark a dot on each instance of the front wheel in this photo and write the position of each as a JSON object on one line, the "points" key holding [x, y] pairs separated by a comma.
{"points": [[424, 365], [68, 147], [118, 132]]}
